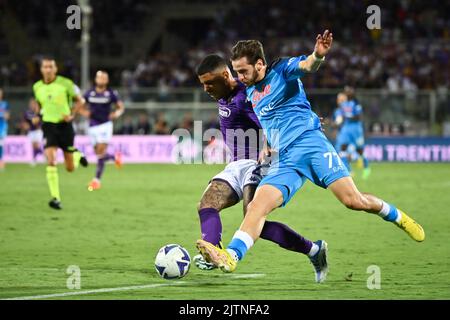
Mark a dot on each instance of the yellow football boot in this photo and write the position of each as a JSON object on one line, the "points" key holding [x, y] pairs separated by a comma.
{"points": [[220, 257], [411, 227]]}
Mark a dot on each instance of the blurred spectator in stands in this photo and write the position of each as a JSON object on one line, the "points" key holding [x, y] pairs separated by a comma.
{"points": [[212, 123], [143, 125], [126, 127], [161, 125], [187, 122]]}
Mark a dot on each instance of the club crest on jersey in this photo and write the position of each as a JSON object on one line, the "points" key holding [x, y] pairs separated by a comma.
{"points": [[258, 95], [224, 112]]}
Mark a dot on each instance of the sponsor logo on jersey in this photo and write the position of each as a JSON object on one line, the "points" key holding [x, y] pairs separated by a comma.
{"points": [[224, 112], [258, 95], [265, 110]]}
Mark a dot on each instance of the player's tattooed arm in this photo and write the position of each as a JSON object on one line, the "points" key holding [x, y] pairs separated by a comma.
{"points": [[218, 195], [322, 47]]}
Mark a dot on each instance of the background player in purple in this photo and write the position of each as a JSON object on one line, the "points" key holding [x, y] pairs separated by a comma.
{"points": [[240, 177], [33, 124], [100, 100]]}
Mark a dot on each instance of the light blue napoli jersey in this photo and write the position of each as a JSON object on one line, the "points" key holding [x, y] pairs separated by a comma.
{"points": [[336, 114], [349, 110], [280, 103], [4, 107]]}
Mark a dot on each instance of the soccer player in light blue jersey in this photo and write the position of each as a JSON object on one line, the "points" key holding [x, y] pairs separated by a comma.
{"points": [[303, 152], [351, 132], [4, 117]]}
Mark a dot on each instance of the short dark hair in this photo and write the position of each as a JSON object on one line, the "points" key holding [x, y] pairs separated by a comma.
{"points": [[210, 63], [46, 58], [251, 49], [349, 91]]}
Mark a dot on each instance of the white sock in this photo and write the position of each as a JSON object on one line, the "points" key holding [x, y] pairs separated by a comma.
{"points": [[245, 237], [385, 208], [399, 216], [233, 254], [314, 249]]}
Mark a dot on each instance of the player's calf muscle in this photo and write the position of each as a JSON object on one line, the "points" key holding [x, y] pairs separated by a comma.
{"points": [[218, 196], [347, 193]]}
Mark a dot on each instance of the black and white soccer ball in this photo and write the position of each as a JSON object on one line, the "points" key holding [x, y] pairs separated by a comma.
{"points": [[172, 261]]}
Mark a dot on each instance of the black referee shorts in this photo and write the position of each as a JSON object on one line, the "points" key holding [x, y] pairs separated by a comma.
{"points": [[59, 135]]}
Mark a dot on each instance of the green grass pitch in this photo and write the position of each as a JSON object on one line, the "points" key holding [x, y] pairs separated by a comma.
{"points": [[113, 235]]}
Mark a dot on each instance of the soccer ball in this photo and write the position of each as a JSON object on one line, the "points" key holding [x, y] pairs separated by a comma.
{"points": [[172, 261]]}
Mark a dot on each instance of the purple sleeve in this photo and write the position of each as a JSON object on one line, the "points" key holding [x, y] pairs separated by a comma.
{"points": [[86, 95], [251, 115], [291, 70], [114, 96]]}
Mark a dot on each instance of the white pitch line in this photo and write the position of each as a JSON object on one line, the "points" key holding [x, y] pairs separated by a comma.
{"points": [[235, 275], [77, 293], [247, 276]]}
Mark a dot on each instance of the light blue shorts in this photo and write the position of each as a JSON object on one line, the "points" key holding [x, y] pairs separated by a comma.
{"points": [[351, 134], [311, 156]]}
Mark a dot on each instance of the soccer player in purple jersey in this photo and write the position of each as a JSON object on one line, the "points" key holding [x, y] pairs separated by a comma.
{"points": [[35, 134], [293, 129], [100, 101], [240, 177]]}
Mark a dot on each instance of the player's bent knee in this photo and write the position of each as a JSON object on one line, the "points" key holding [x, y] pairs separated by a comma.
{"points": [[206, 204]]}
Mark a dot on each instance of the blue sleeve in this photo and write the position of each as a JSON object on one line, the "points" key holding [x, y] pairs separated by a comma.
{"points": [[291, 70], [337, 113], [357, 109]]}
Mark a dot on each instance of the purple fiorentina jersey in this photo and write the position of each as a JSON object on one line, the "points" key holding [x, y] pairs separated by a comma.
{"points": [[28, 116], [100, 105], [235, 113]]}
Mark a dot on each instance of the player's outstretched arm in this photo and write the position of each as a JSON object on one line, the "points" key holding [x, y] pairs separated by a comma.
{"points": [[322, 47]]}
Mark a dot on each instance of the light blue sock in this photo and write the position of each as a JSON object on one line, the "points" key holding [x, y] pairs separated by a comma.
{"points": [[1, 152], [240, 243], [389, 212]]}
